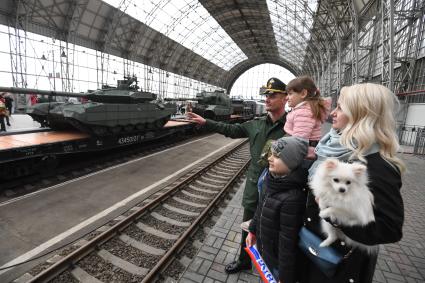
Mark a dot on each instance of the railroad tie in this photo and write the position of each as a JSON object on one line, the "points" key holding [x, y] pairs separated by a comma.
{"points": [[123, 264], [83, 276], [194, 196], [237, 162], [232, 165], [179, 210], [218, 177], [225, 170], [183, 201], [220, 171], [169, 220], [224, 181], [208, 185], [141, 246], [148, 229], [212, 192]]}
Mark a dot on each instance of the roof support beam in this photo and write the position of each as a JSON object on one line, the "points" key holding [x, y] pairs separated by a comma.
{"points": [[387, 21]]}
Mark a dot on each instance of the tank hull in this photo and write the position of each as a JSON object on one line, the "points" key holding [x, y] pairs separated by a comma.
{"points": [[214, 112], [109, 119], [39, 112]]}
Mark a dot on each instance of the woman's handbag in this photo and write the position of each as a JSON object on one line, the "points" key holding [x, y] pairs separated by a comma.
{"points": [[326, 259]]}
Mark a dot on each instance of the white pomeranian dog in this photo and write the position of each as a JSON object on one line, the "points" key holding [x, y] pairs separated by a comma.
{"points": [[344, 197]]}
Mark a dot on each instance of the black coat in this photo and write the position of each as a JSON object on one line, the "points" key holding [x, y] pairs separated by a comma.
{"points": [[8, 102], [278, 219], [385, 184]]}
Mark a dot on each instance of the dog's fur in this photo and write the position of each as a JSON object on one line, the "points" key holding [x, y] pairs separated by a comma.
{"points": [[344, 197]]}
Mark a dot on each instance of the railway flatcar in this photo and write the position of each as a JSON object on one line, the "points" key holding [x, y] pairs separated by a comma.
{"points": [[22, 154]]}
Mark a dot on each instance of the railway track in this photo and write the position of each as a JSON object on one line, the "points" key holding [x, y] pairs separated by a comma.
{"points": [[140, 245]]}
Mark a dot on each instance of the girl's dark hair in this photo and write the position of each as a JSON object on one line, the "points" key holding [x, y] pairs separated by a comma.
{"points": [[317, 104]]}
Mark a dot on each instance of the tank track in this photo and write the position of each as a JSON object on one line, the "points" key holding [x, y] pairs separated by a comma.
{"points": [[119, 130]]}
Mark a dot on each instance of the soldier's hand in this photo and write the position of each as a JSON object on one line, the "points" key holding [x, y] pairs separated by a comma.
{"points": [[195, 118]]}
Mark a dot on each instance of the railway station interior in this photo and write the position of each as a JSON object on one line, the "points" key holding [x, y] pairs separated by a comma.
{"points": [[86, 197]]}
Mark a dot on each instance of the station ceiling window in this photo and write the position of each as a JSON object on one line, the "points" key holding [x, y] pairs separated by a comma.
{"points": [[292, 21], [188, 23]]}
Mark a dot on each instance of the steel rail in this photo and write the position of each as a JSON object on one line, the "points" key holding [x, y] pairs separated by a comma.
{"points": [[71, 259], [166, 259]]}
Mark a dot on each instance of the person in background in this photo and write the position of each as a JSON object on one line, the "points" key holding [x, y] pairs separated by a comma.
{"points": [[363, 128], [73, 100], [9, 105], [258, 131], [280, 209], [33, 99], [309, 111], [3, 112]]}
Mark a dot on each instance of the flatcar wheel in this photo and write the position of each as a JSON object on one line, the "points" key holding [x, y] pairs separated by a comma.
{"points": [[47, 164]]}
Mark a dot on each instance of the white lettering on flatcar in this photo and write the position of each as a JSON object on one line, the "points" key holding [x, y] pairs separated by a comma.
{"points": [[127, 140]]}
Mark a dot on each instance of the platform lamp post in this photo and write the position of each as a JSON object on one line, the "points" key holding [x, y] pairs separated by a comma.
{"points": [[43, 57], [53, 74]]}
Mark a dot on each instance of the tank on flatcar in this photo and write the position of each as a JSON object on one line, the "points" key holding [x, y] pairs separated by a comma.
{"points": [[108, 111], [214, 105], [258, 108], [243, 108]]}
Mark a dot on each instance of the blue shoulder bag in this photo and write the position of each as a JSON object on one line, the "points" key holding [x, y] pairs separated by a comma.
{"points": [[326, 259]]}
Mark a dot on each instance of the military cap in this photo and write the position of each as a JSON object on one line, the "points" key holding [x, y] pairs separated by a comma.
{"points": [[274, 85]]}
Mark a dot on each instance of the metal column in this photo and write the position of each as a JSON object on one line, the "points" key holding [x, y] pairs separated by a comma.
{"points": [[387, 21]]}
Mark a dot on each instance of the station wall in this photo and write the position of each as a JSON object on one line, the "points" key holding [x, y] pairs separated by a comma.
{"points": [[415, 114]]}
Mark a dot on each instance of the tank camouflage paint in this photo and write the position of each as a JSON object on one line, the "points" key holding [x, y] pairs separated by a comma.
{"points": [[108, 111], [213, 105], [39, 111]]}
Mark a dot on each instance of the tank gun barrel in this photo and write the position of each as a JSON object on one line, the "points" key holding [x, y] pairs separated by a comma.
{"points": [[41, 92], [182, 99]]}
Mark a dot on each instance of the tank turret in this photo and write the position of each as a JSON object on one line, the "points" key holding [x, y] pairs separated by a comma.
{"points": [[108, 111]]}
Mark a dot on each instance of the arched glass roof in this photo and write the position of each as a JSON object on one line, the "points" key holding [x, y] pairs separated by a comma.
{"points": [[188, 23], [292, 22]]}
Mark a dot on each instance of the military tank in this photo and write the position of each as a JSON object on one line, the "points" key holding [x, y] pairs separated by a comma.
{"points": [[242, 108], [108, 111], [214, 105]]}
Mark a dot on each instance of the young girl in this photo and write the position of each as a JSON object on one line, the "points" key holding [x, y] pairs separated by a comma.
{"points": [[309, 111]]}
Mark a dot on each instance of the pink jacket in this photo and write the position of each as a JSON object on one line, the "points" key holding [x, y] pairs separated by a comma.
{"points": [[301, 123]]}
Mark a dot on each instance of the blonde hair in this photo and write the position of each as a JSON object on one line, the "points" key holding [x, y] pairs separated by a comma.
{"points": [[370, 111]]}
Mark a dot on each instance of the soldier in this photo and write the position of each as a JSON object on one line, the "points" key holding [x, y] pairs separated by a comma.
{"points": [[258, 131]]}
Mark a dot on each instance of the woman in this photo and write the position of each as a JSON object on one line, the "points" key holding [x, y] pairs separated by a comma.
{"points": [[363, 128]]}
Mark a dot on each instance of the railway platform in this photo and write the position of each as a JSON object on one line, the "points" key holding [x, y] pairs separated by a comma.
{"points": [[400, 262], [21, 122]]}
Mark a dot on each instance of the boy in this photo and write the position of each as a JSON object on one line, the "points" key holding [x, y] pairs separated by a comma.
{"points": [[280, 210]]}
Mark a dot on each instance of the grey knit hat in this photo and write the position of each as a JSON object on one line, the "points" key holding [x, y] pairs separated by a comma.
{"points": [[292, 150]]}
